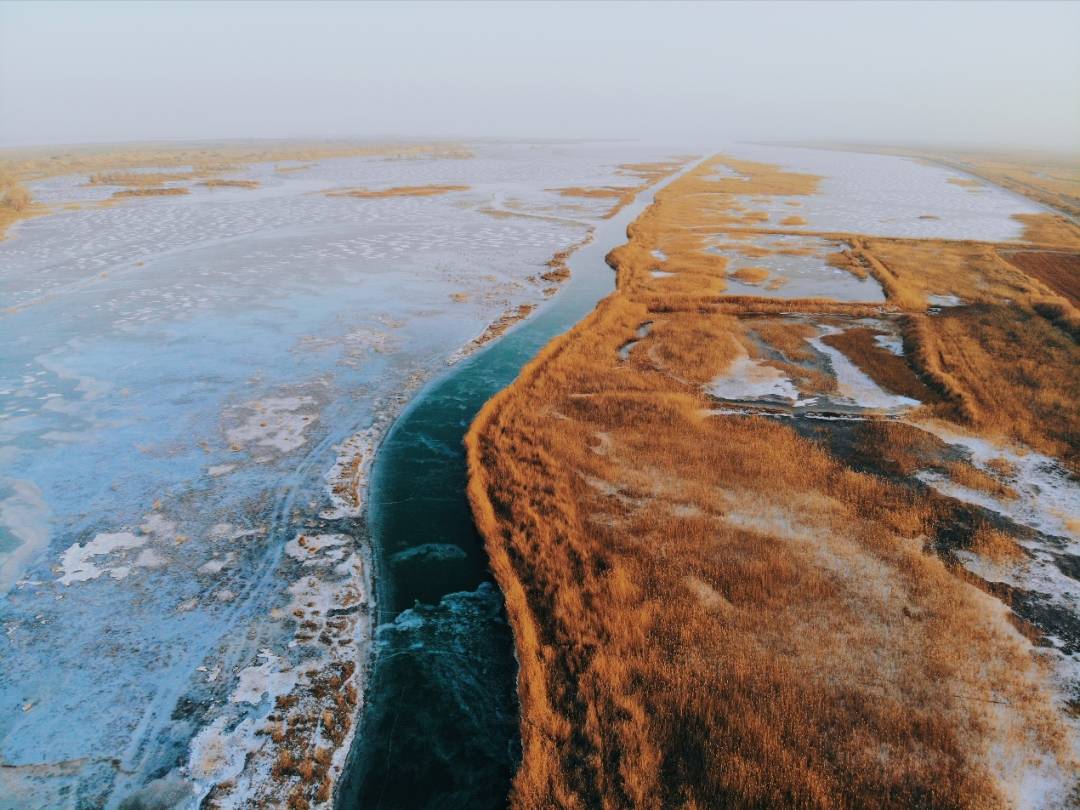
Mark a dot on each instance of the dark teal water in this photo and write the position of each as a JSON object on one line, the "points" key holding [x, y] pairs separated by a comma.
{"points": [[440, 727]]}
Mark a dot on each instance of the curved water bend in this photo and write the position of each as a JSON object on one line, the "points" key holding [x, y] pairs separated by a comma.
{"points": [[440, 727]]}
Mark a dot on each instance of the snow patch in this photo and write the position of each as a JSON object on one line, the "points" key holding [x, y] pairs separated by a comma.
{"points": [[272, 676], [852, 384], [1048, 500], [749, 380], [890, 343], [76, 561], [275, 423]]}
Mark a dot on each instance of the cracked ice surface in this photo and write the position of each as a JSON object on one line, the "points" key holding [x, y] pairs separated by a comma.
{"points": [[191, 391]]}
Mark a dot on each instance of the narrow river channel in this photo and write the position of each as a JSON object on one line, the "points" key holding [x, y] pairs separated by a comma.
{"points": [[440, 724]]}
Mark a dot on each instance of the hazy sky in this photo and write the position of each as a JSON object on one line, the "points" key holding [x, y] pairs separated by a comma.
{"points": [[982, 73]]}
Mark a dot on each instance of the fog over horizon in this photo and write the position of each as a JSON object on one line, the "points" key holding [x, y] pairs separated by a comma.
{"points": [[950, 74]]}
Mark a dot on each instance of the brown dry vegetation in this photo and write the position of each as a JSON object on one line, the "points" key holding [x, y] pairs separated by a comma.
{"points": [[169, 191], [886, 369], [1049, 229], [995, 545], [112, 164], [290, 169], [621, 194], [1005, 361], [716, 611], [966, 182], [558, 270], [751, 275], [38, 162], [1008, 371], [15, 203], [1058, 270], [972, 477], [219, 183], [396, 191], [498, 326], [138, 179]]}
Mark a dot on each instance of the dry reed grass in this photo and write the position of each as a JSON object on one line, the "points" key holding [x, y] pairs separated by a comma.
{"points": [[972, 477], [38, 162], [219, 183], [139, 179], [1049, 229], [1058, 270], [717, 612], [396, 191], [498, 327], [890, 372], [621, 194], [751, 275], [16, 203], [168, 191], [1007, 371], [966, 182], [1003, 361], [995, 545]]}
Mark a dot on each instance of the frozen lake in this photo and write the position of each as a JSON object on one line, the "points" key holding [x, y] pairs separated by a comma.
{"points": [[886, 195], [190, 392]]}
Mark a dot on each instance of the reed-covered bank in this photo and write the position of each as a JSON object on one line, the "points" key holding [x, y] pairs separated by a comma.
{"points": [[718, 607]]}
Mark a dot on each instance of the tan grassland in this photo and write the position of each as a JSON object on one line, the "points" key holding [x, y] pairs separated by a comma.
{"points": [[36, 163], [397, 191], [1059, 270], [15, 203], [139, 179], [167, 191], [291, 169], [1005, 361], [1049, 229], [715, 611], [751, 275], [219, 183], [967, 182]]}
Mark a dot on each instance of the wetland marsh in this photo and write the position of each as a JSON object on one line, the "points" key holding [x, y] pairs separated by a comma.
{"points": [[193, 390], [237, 517]]}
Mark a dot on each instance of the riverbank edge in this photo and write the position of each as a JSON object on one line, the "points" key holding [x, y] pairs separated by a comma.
{"points": [[526, 637], [456, 361], [468, 351]]}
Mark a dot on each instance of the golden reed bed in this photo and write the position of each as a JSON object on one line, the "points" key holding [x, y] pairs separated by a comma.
{"points": [[716, 611]]}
